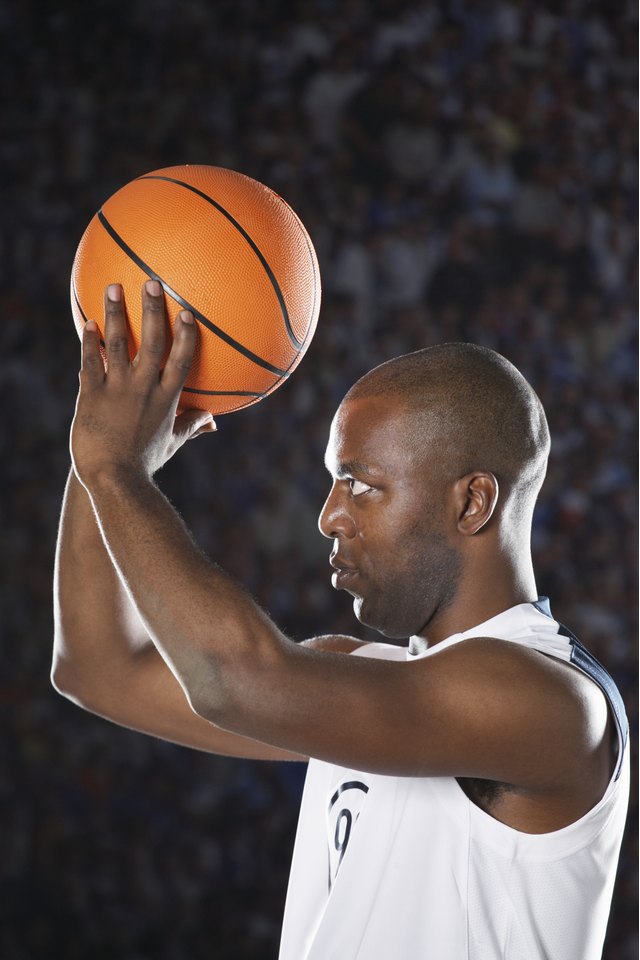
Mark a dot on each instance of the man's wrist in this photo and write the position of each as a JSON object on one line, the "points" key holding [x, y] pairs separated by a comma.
{"points": [[112, 476]]}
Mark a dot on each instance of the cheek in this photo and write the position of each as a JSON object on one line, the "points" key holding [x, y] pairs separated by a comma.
{"points": [[422, 563], [405, 534]]}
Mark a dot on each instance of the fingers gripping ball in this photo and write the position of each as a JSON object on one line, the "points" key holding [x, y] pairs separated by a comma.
{"points": [[227, 248]]}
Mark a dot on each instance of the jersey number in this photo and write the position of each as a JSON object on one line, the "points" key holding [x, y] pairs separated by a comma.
{"points": [[342, 818]]}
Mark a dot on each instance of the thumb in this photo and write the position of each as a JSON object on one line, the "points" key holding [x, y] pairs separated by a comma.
{"points": [[191, 423]]}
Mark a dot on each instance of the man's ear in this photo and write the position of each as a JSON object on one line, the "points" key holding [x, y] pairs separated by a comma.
{"points": [[476, 496]]}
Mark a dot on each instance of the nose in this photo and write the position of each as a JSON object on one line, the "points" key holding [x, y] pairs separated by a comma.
{"points": [[335, 520]]}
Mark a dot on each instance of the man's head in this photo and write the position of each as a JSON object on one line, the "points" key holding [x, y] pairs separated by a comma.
{"points": [[429, 451], [471, 408]]}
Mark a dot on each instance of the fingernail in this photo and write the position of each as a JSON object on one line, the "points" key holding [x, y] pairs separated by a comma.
{"points": [[153, 288], [91, 325], [186, 317], [114, 292]]}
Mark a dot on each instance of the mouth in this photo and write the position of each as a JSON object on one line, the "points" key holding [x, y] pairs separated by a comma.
{"points": [[343, 573]]}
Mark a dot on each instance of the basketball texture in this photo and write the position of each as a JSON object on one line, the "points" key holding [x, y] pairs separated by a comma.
{"points": [[225, 247]]}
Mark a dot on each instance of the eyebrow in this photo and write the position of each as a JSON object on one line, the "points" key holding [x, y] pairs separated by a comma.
{"points": [[351, 468]]}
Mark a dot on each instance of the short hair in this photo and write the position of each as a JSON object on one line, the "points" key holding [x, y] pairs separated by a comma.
{"points": [[474, 408]]}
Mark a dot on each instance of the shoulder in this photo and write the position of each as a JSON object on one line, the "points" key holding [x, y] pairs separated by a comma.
{"points": [[557, 728], [549, 704], [518, 671]]}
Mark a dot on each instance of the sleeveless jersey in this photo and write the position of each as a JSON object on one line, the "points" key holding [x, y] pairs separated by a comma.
{"points": [[401, 868]]}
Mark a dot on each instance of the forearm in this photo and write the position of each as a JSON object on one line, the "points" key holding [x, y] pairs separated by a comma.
{"points": [[202, 623], [96, 626]]}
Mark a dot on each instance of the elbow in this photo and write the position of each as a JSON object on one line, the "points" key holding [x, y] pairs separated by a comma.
{"points": [[59, 674], [229, 688], [62, 680], [208, 696], [228, 660], [219, 690], [63, 673], [73, 675], [66, 681], [74, 688]]}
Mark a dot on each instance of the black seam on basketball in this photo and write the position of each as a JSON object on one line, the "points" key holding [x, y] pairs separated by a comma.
{"points": [[244, 393], [184, 303], [241, 393], [223, 393], [77, 300], [256, 249], [258, 396], [79, 306]]}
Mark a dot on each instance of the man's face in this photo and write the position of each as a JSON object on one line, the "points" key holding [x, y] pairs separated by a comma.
{"points": [[387, 516]]}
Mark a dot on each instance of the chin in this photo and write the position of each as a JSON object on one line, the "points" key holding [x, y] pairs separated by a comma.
{"points": [[392, 630]]}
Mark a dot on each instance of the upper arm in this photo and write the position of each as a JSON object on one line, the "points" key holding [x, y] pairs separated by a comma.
{"points": [[144, 695], [485, 708]]}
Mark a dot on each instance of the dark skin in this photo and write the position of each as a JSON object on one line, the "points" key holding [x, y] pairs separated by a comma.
{"points": [[178, 650]]}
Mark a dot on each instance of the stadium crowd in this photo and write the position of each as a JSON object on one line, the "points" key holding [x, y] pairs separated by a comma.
{"points": [[467, 169]]}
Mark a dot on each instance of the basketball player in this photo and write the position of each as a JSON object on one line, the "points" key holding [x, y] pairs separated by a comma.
{"points": [[468, 784]]}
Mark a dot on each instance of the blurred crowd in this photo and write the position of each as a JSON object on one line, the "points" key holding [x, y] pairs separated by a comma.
{"points": [[467, 170]]}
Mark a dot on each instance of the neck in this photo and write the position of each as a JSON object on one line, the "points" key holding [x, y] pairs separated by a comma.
{"points": [[485, 590]]}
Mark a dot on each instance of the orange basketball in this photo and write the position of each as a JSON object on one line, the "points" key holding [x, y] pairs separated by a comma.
{"points": [[227, 248]]}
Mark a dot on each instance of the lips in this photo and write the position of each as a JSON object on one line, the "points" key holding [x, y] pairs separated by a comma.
{"points": [[344, 572]]}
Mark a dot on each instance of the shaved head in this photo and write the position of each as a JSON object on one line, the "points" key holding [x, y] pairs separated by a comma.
{"points": [[471, 409], [436, 458]]}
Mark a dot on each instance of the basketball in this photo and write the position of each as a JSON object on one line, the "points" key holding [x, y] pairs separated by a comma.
{"points": [[222, 245]]}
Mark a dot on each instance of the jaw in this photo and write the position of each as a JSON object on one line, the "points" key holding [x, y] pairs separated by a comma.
{"points": [[392, 620], [408, 607]]}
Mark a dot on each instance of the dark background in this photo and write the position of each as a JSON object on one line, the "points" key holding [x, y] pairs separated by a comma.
{"points": [[467, 170]]}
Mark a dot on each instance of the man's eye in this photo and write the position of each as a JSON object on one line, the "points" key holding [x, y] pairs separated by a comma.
{"points": [[357, 487]]}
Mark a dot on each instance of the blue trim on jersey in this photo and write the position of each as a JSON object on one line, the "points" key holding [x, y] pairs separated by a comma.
{"points": [[586, 662], [542, 604], [581, 657]]}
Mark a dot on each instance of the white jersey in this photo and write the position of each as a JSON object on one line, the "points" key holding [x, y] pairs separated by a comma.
{"points": [[401, 868]]}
